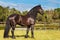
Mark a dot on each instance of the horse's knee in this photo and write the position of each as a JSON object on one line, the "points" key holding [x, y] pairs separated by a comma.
{"points": [[32, 28], [13, 28]]}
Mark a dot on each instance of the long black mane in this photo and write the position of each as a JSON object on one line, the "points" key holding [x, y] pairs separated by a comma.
{"points": [[33, 12]]}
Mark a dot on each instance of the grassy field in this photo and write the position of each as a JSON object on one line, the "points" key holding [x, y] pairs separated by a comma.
{"points": [[38, 34]]}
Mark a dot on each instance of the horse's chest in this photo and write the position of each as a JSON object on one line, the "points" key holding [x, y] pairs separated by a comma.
{"points": [[30, 21]]}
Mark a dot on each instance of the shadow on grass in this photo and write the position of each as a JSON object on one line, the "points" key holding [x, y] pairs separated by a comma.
{"points": [[19, 36]]}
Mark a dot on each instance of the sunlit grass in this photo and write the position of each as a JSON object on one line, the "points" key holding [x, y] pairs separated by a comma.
{"points": [[38, 34]]}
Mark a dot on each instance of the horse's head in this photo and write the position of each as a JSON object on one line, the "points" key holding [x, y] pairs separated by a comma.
{"points": [[39, 9]]}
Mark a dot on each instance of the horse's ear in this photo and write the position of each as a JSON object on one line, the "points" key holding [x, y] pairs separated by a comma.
{"points": [[39, 5]]}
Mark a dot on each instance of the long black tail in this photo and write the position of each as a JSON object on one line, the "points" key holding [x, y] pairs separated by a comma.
{"points": [[7, 28]]}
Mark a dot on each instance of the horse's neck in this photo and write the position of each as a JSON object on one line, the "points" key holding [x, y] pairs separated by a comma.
{"points": [[32, 14]]}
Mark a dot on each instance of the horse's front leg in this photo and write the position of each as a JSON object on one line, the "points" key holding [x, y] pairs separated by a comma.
{"points": [[26, 36], [32, 31], [12, 31]]}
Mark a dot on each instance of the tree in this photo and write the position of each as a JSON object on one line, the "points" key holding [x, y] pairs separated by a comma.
{"points": [[6, 11], [57, 13], [1, 13]]}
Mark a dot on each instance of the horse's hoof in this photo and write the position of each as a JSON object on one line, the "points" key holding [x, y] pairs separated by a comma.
{"points": [[26, 36], [6, 36], [14, 37], [32, 37]]}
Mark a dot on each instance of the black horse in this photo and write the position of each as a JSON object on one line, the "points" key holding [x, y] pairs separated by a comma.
{"points": [[27, 20]]}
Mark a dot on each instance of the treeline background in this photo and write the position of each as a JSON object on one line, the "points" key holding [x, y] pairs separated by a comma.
{"points": [[50, 16]]}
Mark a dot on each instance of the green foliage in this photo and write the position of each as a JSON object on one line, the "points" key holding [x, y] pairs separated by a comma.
{"points": [[39, 17], [48, 16], [6, 11], [57, 9], [58, 12], [24, 12]]}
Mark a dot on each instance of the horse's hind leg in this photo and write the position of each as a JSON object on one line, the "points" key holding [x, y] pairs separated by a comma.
{"points": [[12, 31]]}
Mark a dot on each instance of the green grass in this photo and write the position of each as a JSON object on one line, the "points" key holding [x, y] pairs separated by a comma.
{"points": [[2, 26], [38, 34]]}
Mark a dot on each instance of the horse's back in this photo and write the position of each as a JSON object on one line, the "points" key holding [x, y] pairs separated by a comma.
{"points": [[14, 17]]}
